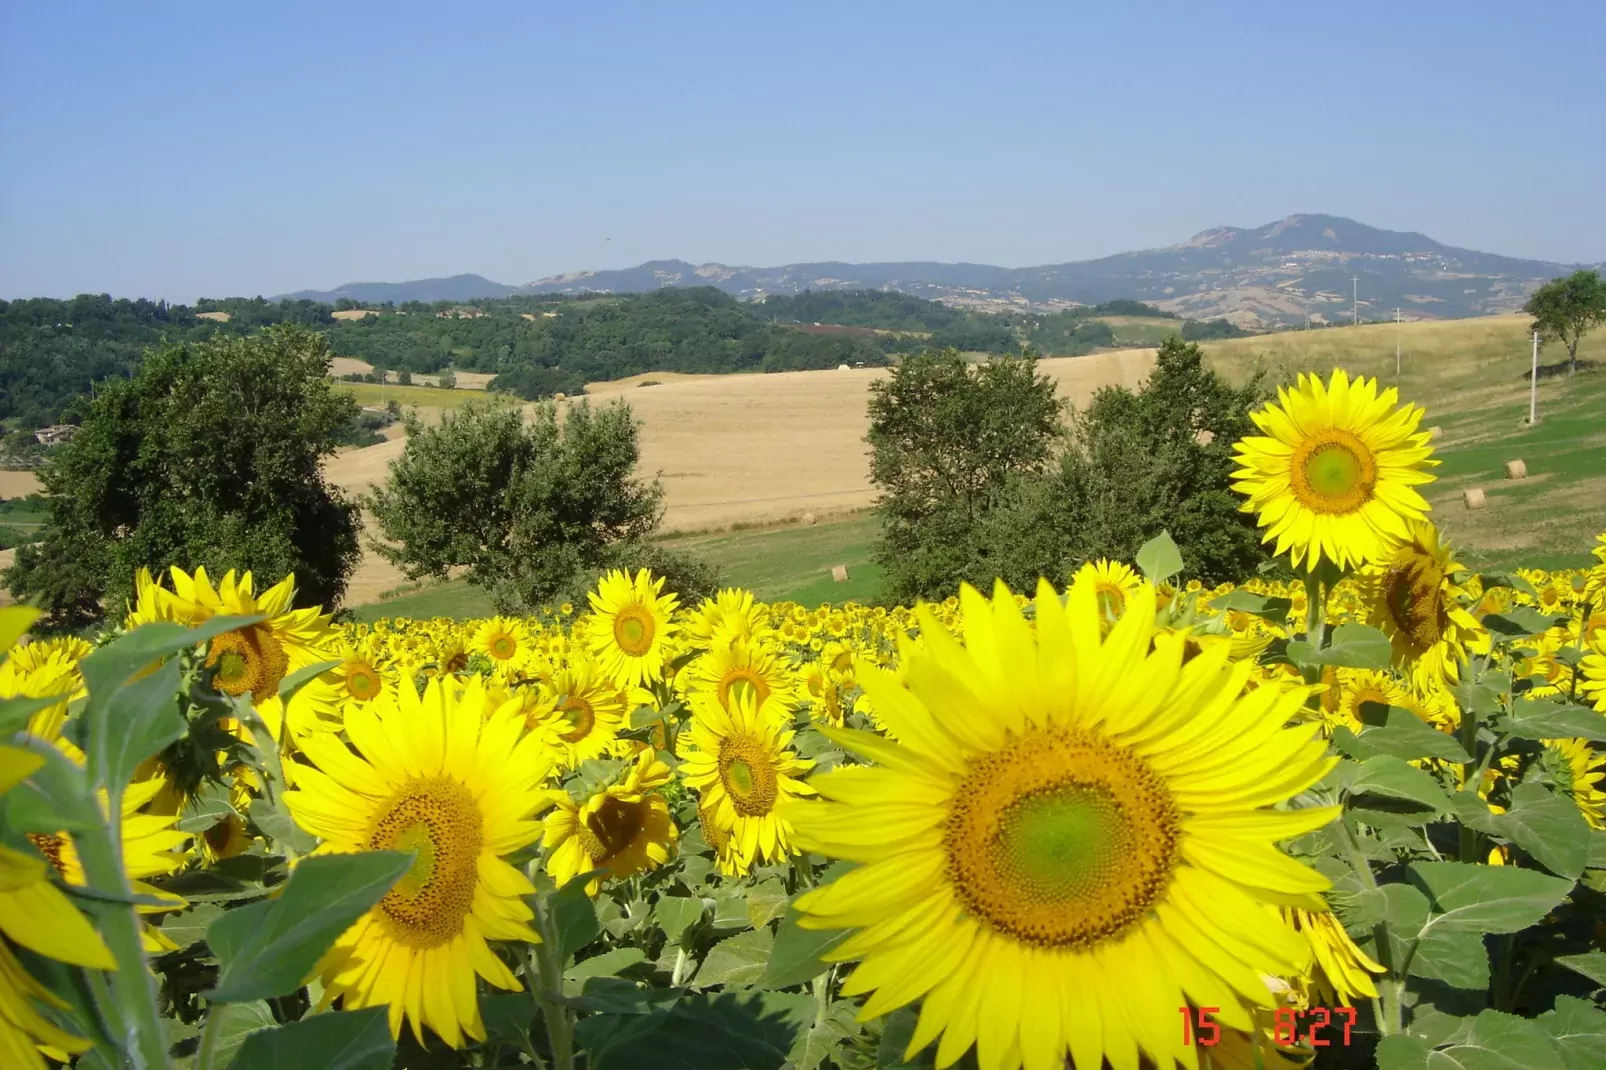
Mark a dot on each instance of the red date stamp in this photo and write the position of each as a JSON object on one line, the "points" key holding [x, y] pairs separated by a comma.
{"points": [[1199, 1026]]}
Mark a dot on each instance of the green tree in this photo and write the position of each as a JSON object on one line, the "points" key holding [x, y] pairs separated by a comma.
{"points": [[448, 379], [209, 456], [1566, 309], [531, 508], [952, 443], [1159, 459]]}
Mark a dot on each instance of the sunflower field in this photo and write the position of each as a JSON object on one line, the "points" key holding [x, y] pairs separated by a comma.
{"points": [[1354, 819]]}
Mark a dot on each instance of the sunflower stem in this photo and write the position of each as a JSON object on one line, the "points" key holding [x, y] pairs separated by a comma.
{"points": [[1386, 1008], [1473, 769], [545, 986], [1315, 620]]}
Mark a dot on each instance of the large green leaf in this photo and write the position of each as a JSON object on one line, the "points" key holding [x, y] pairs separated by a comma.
{"points": [[796, 957], [143, 717], [1265, 607], [1394, 778], [1500, 1041], [1159, 559], [706, 1031], [106, 670], [824, 1035], [1537, 719], [1590, 964], [1459, 959], [1356, 646], [676, 914], [1402, 734], [1549, 827], [574, 917], [737, 961], [346, 1040], [1402, 1051], [766, 901], [1519, 623], [1578, 1029], [235, 1025], [604, 965], [1487, 899], [15, 711], [267, 949]]}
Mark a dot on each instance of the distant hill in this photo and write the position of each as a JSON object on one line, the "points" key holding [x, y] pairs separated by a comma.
{"points": [[454, 288], [1273, 275]]}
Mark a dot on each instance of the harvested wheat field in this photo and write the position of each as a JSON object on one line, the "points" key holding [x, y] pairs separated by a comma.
{"points": [[15, 483]]}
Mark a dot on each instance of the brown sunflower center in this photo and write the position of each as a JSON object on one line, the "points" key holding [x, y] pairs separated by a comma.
{"points": [[458, 662], [1413, 591], [249, 661], [715, 836], [743, 680], [362, 681], [1333, 472], [633, 630], [612, 827], [439, 819], [580, 716], [748, 774], [51, 846], [1061, 840]]}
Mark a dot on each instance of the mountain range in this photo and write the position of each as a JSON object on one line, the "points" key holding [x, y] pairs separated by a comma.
{"points": [[1303, 267]]}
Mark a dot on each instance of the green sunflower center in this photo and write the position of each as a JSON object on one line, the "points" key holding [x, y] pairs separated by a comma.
{"points": [[633, 630], [580, 716], [437, 818], [502, 646], [1333, 472], [739, 681], [249, 661], [612, 827], [1061, 840], [362, 682], [748, 774]]}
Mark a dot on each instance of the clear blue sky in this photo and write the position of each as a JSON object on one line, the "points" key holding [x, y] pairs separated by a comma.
{"points": [[181, 150]]}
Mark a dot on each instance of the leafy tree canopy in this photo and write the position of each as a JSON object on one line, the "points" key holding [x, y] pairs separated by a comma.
{"points": [[210, 455], [1566, 309]]}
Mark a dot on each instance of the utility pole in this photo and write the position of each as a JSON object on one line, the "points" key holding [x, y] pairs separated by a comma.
{"points": [[1355, 314], [1533, 386], [1396, 347]]}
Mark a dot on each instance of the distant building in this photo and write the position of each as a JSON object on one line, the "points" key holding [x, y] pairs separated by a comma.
{"points": [[55, 436]]}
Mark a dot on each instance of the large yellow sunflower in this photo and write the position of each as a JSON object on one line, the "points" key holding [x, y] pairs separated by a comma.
{"points": [[1414, 598], [739, 760], [1582, 773], [727, 668], [582, 714], [431, 774], [1335, 475], [1072, 837], [1592, 671], [630, 624], [623, 829], [1115, 582], [506, 641]]}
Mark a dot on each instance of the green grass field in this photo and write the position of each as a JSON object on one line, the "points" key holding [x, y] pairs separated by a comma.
{"points": [[422, 397], [790, 563], [1142, 330]]}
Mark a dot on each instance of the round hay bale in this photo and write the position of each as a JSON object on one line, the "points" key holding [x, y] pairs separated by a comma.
{"points": [[810, 519], [560, 397], [843, 368], [839, 573], [1474, 498], [1516, 469]]}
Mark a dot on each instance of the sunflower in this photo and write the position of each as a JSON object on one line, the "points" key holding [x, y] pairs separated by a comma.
{"points": [[1592, 671], [583, 715], [1365, 696], [623, 829], [1343, 971], [738, 760], [727, 668], [731, 615], [505, 641], [431, 774], [1414, 598], [1073, 837], [366, 673], [1115, 582], [630, 624], [1581, 772], [1334, 476]]}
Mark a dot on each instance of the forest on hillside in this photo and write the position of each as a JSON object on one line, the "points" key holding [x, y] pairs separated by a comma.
{"points": [[53, 351]]}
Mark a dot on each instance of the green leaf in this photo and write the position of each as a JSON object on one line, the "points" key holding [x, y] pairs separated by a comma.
{"points": [[302, 677], [1403, 1052], [1355, 646], [1507, 579], [574, 917], [1159, 559], [268, 949], [1518, 623], [766, 901], [1487, 899], [705, 1031], [1392, 778], [737, 961], [142, 717], [1537, 719], [14, 712], [796, 958], [106, 670], [1265, 607], [1500, 1041], [675, 914], [824, 1035], [1459, 959], [1474, 813], [1578, 1029], [1591, 964], [1404, 735], [730, 909], [189, 928], [236, 1023], [273, 818], [1549, 827], [344, 1040], [897, 1029], [606, 964], [205, 811]]}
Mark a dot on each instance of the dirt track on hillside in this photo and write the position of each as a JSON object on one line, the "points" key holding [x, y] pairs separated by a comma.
{"points": [[744, 448]]}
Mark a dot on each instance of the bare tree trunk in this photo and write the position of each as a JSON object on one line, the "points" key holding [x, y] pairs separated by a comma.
{"points": [[1572, 357]]}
